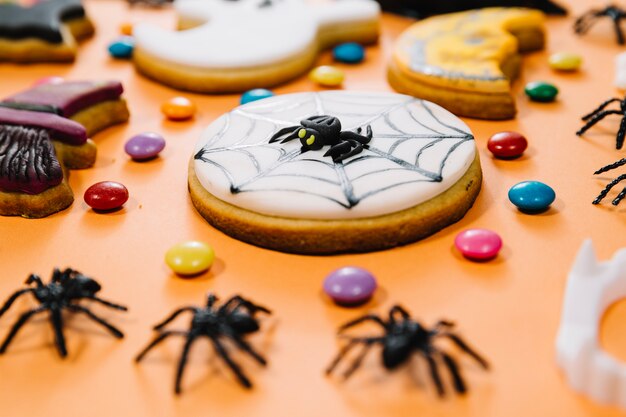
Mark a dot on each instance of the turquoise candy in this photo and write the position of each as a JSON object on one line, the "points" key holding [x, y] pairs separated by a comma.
{"points": [[122, 47], [532, 196], [349, 53], [254, 95], [541, 91]]}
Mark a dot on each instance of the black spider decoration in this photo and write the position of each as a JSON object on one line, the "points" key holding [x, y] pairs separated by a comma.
{"points": [[615, 13], [233, 320], [63, 292], [613, 183], [599, 114], [316, 132], [402, 337]]}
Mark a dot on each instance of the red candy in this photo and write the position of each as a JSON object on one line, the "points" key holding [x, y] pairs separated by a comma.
{"points": [[106, 195], [507, 145]]}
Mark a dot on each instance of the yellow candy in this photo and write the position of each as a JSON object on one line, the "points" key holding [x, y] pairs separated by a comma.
{"points": [[327, 76], [565, 61], [190, 258]]}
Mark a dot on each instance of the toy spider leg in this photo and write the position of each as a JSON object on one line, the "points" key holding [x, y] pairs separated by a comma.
{"points": [[404, 336], [612, 184], [584, 22], [233, 320], [600, 113], [62, 292]]}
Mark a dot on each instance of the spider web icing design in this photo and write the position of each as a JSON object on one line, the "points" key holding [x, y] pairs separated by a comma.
{"points": [[418, 150]]}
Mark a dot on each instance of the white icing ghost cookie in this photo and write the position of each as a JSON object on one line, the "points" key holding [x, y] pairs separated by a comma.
{"points": [[236, 45], [335, 171]]}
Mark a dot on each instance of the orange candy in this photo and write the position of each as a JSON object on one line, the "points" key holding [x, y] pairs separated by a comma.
{"points": [[178, 108], [126, 28]]}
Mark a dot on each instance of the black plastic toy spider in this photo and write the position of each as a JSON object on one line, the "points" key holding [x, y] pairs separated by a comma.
{"points": [[233, 320], [316, 132], [599, 114], [616, 14], [63, 292], [613, 183], [402, 337]]}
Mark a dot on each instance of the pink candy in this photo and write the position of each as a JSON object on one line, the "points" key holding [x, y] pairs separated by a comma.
{"points": [[478, 244]]}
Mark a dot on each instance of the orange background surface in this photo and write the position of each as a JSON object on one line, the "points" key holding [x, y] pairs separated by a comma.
{"points": [[508, 308]]}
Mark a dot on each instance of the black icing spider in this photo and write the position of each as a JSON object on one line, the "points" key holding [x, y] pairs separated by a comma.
{"points": [[616, 14], [402, 337], [232, 320], [62, 293], [613, 183], [316, 132], [599, 114]]}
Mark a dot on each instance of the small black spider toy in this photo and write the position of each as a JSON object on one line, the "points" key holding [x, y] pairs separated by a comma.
{"points": [[63, 292], [616, 14], [402, 337], [316, 132], [599, 114], [233, 320], [612, 184]]}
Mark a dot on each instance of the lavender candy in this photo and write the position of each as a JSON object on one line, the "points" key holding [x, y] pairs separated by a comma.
{"points": [[144, 146]]}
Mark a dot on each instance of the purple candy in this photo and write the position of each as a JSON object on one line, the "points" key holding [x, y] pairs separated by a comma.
{"points": [[350, 286], [144, 146]]}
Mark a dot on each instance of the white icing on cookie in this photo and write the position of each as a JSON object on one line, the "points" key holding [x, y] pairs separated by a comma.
{"points": [[241, 34], [418, 150]]}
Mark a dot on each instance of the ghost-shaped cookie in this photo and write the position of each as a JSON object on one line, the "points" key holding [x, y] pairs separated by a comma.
{"points": [[232, 46]]}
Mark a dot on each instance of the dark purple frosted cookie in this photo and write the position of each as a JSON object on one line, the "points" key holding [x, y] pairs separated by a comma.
{"points": [[43, 31], [67, 98], [62, 129], [44, 130]]}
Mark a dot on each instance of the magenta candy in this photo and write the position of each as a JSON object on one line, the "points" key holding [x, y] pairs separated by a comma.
{"points": [[478, 244], [106, 195], [350, 286], [144, 146]]}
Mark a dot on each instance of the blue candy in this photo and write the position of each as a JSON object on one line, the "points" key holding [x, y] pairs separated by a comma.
{"points": [[350, 53], [122, 47], [531, 196], [254, 95]]}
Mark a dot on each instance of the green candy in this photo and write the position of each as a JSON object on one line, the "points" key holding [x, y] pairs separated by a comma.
{"points": [[541, 91]]}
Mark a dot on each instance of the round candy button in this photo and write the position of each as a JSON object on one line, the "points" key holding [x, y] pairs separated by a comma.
{"points": [[190, 258], [178, 108], [126, 28], [106, 195], [349, 53], [350, 286], [327, 76], [478, 244], [565, 61], [541, 91], [507, 145], [122, 47], [531, 196], [144, 146], [254, 95]]}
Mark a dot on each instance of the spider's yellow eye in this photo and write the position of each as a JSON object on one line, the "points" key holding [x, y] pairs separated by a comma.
{"points": [[310, 140], [301, 133]]}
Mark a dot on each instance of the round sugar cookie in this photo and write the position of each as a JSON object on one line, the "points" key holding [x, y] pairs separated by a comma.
{"points": [[282, 174]]}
